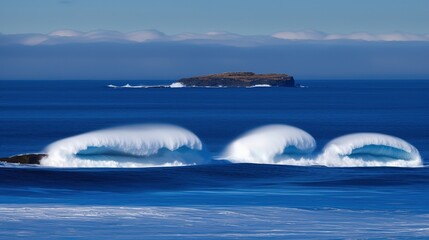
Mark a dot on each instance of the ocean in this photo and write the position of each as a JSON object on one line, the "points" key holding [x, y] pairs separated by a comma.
{"points": [[335, 159]]}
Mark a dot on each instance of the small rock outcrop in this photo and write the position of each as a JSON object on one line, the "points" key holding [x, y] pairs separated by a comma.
{"points": [[33, 158], [239, 79]]}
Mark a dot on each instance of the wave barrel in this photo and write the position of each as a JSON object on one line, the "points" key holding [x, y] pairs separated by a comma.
{"points": [[369, 150], [130, 146], [271, 144]]}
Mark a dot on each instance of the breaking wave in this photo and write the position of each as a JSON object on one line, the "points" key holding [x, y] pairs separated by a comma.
{"points": [[287, 145], [369, 150], [270, 144], [168, 145], [177, 85], [131, 146]]}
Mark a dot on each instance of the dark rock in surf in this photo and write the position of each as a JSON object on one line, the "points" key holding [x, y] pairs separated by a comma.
{"points": [[239, 79], [33, 158]]}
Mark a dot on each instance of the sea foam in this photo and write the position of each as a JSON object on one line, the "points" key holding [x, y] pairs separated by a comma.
{"points": [[138, 86], [130, 146]]}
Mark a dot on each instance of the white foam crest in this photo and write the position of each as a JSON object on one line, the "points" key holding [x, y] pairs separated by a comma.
{"points": [[177, 85], [369, 150], [138, 86], [335, 161], [259, 86], [266, 145], [135, 142]]}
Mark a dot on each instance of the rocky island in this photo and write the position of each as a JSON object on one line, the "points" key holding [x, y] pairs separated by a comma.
{"points": [[239, 79]]}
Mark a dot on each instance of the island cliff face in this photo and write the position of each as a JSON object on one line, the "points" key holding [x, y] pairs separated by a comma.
{"points": [[239, 79]]}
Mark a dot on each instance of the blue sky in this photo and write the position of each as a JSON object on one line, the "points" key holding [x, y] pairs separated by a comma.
{"points": [[247, 17], [169, 39]]}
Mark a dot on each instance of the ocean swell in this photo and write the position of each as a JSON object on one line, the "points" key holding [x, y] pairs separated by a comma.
{"points": [[130, 146]]}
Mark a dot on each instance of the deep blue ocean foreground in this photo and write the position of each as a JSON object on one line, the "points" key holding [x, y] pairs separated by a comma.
{"points": [[213, 189]]}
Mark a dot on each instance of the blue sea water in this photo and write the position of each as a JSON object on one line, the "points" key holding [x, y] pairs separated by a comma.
{"points": [[215, 199]]}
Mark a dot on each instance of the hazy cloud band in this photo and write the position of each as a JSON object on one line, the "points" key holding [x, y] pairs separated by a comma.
{"points": [[225, 38]]}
